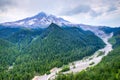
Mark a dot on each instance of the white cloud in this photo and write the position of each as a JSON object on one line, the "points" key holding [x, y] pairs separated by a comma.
{"points": [[94, 12]]}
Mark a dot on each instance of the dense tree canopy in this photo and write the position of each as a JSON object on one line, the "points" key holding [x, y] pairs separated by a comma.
{"points": [[107, 69], [28, 52]]}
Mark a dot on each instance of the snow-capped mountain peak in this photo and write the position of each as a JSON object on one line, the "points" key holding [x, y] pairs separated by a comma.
{"points": [[41, 20]]}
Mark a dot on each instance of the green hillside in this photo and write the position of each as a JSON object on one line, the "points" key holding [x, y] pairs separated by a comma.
{"points": [[8, 54], [42, 50], [107, 69]]}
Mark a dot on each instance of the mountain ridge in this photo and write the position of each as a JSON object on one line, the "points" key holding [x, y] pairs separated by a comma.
{"points": [[41, 20]]}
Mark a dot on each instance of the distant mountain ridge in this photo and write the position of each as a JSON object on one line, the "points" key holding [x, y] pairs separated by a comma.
{"points": [[41, 20]]}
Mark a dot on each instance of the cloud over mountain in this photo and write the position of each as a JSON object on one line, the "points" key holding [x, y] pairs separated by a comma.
{"points": [[78, 11]]}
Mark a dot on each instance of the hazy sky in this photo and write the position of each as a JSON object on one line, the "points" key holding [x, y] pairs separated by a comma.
{"points": [[92, 12]]}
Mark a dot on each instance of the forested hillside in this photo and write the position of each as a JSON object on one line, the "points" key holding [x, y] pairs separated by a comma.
{"points": [[107, 69], [36, 51]]}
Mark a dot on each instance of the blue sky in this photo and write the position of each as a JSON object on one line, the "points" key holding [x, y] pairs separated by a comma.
{"points": [[92, 12]]}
